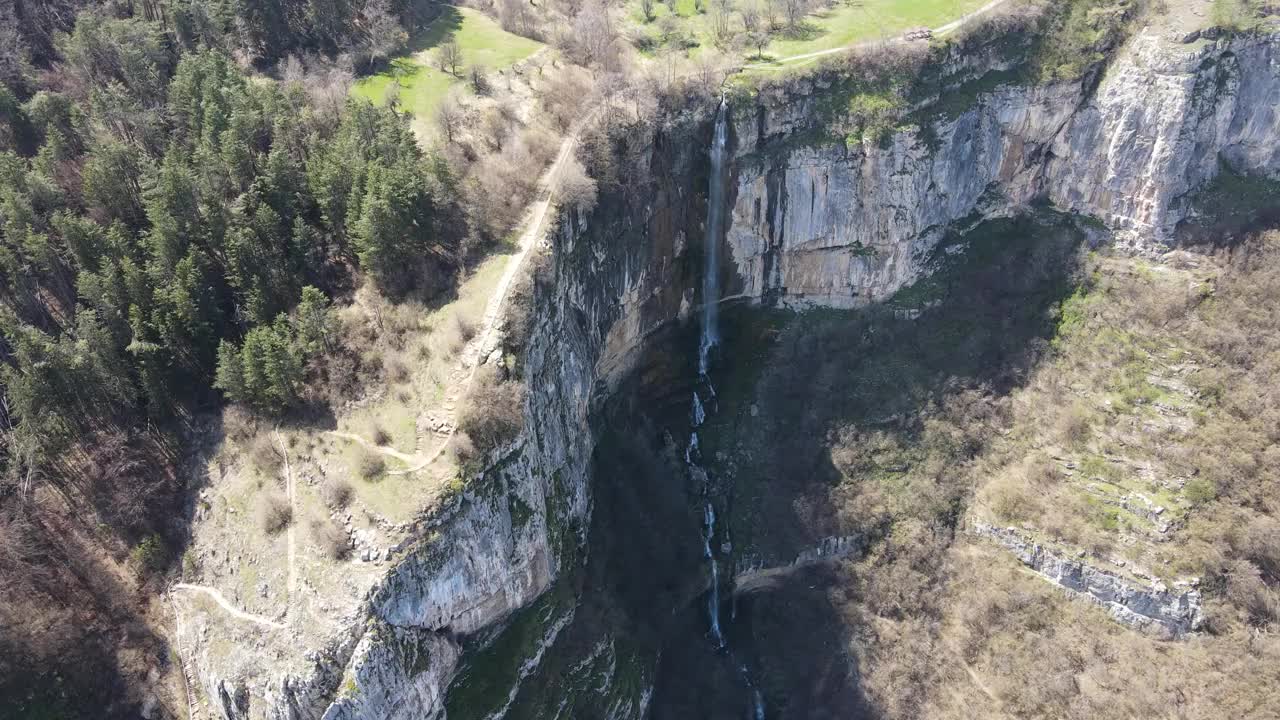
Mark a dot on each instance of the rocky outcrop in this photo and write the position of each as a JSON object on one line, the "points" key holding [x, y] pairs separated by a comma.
{"points": [[754, 573], [1148, 607], [847, 223]]}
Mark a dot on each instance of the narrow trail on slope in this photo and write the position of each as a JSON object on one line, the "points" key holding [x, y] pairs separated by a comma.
{"points": [[996, 703], [188, 678], [232, 609], [383, 449], [289, 489], [484, 342], [941, 30]]}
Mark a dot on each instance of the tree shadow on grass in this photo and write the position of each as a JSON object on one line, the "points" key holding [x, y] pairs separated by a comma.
{"points": [[803, 30], [440, 31]]}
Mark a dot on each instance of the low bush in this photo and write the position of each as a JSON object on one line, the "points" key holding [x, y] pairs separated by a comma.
{"points": [[274, 512], [370, 465], [149, 556], [331, 539], [335, 492], [494, 411]]}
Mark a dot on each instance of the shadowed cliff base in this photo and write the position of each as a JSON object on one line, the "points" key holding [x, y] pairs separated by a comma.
{"points": [[827, 424]]}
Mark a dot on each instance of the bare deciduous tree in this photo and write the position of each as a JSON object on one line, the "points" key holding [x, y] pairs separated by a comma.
{"points": [[383, 33], [646, 6], [449, 54], [576, 188], [449, 117], [723, 34], [709, 72], [750, 13], [517, 17], [594, 35], [478, 76], [795, 10]]}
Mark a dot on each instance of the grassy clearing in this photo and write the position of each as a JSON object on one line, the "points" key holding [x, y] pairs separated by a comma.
{"points": [[416, 76], [854, 22], [827, 29]]}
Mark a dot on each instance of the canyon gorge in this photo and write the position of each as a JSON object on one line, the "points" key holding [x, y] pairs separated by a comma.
{"points": [[605, 565]]}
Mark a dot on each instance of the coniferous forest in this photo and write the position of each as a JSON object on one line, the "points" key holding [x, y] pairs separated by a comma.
{"points": [[185, 188]]}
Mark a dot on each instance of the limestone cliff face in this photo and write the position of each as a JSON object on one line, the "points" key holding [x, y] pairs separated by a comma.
{"points": [[847, 224], [811, 224], [516, 529]]}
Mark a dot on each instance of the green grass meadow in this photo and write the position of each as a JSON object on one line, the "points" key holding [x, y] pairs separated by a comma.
{"points": [[845, 23], [422, 84]]}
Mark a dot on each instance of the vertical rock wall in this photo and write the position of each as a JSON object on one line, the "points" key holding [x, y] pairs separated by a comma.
{"points": [[842, 225]]}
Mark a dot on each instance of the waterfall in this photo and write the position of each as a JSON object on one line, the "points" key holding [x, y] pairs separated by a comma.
{"points": [[709, 338], [715, 223], [713, 600], [700, 411]]}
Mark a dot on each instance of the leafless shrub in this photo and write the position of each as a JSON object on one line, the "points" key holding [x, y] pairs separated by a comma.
{"points": [[264, 454], [335, 492], [398, 371], [239, 423], [466, 328], [461, 448], [370, 465], [380, 435], [274, 512], [493, 413], [1074, 425], [577, 190], [331, 539]]}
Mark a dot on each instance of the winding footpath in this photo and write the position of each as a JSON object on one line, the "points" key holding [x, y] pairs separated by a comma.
{"points": [[231, 609], [290, 489]]}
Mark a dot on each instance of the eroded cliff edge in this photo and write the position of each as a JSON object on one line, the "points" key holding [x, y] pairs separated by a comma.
{"points": [[813, 223]]}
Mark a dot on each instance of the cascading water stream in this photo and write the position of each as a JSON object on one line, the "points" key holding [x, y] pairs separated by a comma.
{"points": [[708, 340], [710, 337], [715, 221]]}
